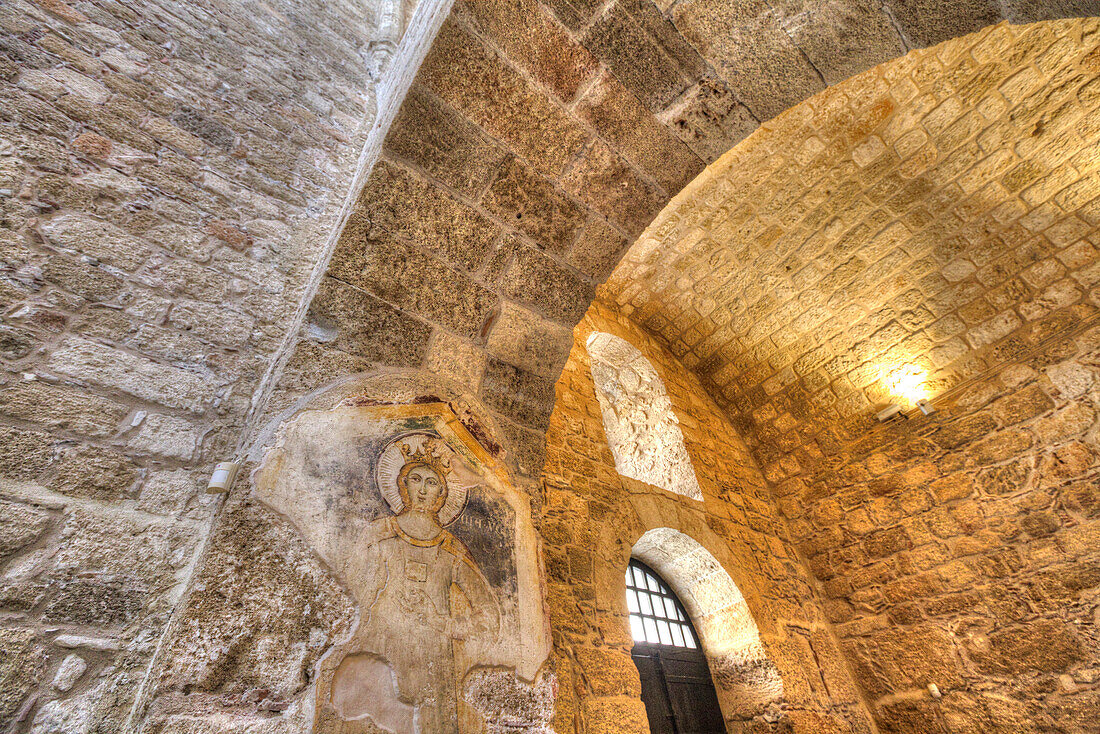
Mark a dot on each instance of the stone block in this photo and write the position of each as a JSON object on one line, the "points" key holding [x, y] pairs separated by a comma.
{"points": [[964, 431], [631, 128], [414, 282], [597, 249], [69, 672], [477, 83], [166, 435], [1022, 405], [955, 487], [609, 672], [22, 666], [430, 134], [527, 34], [1000, 446], [746, 44], [644, 51], [927, 22], [1073, 420], [82, 279], [524, 339], [441, 224], [134, 375], [534, 206], [536, 280], [109, 565], [614, 715], [91, 472], [522, 396], [604, 181], [910, 715], [454, 358], [313, 364], [215, 323], [841, 39], [20, 526], [16, 343], [528, 447], [228, 638], [95, 238], [1071, 379], [1045, 645], [204, 126], [502, 696], [94, 602], [24, 454], [709, 119], [355, 321], [1009, 478], [179, 493], [62, 408], [907, 658]]}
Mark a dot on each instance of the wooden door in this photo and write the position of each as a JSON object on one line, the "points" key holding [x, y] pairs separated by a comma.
{"points": [[677, 689]]}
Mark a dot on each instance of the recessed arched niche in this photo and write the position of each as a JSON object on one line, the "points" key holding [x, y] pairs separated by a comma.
{"points": [[642, 429], [745, 679]]}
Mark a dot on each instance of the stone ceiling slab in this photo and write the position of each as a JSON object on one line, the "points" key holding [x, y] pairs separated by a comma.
{"points": [[746, 44], [540, 137], [841, 38], [928, 22]]}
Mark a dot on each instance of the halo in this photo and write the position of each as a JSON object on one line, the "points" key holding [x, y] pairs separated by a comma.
{"points": [[389, 466]]}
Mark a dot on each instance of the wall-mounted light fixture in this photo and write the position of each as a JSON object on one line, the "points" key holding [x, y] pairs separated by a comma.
{"points": [[908, 387], [222, 478], [891, 411]]}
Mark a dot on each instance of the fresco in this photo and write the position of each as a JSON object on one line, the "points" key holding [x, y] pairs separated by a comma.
{"points": [[420, 526]]}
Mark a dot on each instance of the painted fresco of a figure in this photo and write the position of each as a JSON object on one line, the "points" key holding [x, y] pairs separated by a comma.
{"points": [[421, 599]]}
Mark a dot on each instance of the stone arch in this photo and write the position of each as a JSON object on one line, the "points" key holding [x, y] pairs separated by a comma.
{"points": [[745, 678], [642, 429], [478, 262]]}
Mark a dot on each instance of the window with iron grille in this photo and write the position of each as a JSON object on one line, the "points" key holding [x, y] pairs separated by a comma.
{"points": [[656, 615]]}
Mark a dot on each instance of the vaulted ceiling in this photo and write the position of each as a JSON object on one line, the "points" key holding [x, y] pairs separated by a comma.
{"points": [[539, 140], [890, 238]]}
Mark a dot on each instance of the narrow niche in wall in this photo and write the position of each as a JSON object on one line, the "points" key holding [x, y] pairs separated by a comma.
{"points": [[642, 431]]}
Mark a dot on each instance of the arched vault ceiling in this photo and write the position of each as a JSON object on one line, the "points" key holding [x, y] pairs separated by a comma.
{"points": [[921, 222], [540, 138]]}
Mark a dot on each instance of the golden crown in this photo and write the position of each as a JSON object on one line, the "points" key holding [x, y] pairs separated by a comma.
{"points": [[428, 456]]}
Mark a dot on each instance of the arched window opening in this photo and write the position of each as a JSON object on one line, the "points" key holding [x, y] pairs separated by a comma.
{"points": [[745, 679], [677, 687], [642, 430], [656, 615]]}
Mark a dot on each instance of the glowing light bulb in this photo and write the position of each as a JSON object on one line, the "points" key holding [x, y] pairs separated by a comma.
{"points": [[909, 383]]}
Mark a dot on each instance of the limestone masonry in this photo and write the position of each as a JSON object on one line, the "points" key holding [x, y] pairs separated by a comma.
{"points": [[488, 298]]}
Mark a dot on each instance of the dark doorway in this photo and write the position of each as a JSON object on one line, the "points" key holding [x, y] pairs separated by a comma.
{"points": [[676, 684]]}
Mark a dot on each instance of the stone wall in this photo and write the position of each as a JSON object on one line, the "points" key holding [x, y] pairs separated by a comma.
{"points": [[168, 174], [927, 228], [591, 520], [961, 549]]}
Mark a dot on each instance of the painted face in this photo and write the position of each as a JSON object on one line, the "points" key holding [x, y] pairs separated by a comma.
{"points": [[424, 488]]}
